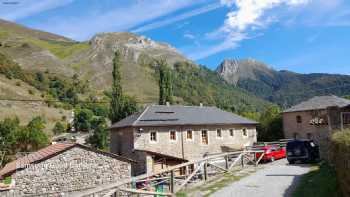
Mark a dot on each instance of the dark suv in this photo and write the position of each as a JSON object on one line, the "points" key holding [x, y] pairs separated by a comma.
{"points": [[305, 151]]}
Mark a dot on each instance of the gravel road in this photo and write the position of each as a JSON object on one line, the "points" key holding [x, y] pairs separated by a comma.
{"points": [[277, 179]]}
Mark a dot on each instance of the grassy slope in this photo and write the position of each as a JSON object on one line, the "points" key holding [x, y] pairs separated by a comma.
{"points": [[26, 110], [320, 182]]}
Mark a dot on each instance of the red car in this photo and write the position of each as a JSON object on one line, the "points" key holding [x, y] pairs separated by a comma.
{"points": [[272, 152]]}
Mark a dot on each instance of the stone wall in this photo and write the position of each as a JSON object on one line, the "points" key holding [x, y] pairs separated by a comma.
{"points": [[73, 170]]}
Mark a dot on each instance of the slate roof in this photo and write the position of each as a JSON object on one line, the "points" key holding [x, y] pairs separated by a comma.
{"points": [[48, 152], [161, 115], [319, 102]]}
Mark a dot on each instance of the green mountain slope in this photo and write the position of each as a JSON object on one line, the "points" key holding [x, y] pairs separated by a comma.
{"points": [[282, 87], [11, 87], [35, 51]]}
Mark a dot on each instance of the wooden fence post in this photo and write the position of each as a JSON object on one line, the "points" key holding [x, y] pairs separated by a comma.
{"points": [[226, 162], [242, 161], [172, 176], [205, 171], [255, 159]]}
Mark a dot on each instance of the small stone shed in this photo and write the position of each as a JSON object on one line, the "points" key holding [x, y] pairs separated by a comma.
{"points": [[62, 168]]}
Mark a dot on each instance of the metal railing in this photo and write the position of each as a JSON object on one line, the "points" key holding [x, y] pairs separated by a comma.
{"points": [[169, 181]]}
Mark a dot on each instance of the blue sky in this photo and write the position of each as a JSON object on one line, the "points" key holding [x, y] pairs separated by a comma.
{"points": [[304, 36]]}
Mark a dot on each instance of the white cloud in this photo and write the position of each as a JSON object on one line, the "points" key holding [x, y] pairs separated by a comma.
{"points": [[189, 36], [27, 8], [177, 18], [249, 15]]}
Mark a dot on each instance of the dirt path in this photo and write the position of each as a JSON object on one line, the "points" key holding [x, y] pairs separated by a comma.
{"points": [[275, 180]]}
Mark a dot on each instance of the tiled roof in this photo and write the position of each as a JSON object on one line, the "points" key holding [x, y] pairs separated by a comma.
{"points": [[319, 102], [47, 153], [160, 115]]}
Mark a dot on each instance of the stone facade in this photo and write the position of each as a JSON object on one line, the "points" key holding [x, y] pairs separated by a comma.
{"points": [[305, 128], [72, 170], [126, 141]]}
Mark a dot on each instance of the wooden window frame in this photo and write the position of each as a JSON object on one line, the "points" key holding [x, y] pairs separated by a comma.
{"points": [[156, 137], [207, 136], [245, 130], [217, 132], [233, 133], [189, 139], [170, 135]]}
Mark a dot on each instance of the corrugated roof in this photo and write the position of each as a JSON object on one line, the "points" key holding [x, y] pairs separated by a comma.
{"points": [[160, 115], [319, 102], [47, 153]]}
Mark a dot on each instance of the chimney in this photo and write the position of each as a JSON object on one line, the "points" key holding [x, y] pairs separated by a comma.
{"points": [[167, 103], [200, 104]]}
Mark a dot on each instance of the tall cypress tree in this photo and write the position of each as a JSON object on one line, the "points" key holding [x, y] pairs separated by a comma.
{"points": [[165, 83], [117, 101], [121, 106]]}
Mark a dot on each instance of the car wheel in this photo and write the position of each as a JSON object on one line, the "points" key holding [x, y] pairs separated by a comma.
{"points": [[272, 159]]}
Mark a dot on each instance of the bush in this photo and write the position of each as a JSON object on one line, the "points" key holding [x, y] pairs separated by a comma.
{"points": [[340, 149], [31, 92], [58, 128]]}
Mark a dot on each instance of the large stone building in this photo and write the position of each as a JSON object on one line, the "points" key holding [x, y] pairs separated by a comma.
{"points": [[63, 168], [161, 136], [317, 119]]}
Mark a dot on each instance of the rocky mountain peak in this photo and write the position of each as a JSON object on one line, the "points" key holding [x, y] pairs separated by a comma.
{"points": [[232, 70]]}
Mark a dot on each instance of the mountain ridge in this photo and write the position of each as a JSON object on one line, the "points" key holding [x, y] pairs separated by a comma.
{"points": [[92, 62], [283, 87]]}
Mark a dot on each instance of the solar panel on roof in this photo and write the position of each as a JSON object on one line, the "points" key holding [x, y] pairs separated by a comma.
{"points": [[164, 112], [170, 119]]}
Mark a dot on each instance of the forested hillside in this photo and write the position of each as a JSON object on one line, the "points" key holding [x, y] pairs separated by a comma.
{"points": [[284, 88]]}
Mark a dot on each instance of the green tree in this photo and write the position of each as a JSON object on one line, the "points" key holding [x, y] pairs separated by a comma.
{"points": [[32, 137], [120, 105], [99, 137], [8, 129], [271, 125], [116, 108], [58, 128], [82, 119], [165, 83]]}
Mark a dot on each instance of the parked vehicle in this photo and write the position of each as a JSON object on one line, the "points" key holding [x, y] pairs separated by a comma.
{"points": [[305, 151], [272, 152]]}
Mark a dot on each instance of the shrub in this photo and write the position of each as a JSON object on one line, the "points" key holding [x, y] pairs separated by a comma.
{"points": [[58, 128], [341, 158]]}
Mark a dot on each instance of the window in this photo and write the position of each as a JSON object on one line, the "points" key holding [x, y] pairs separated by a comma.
{"points": [[232, 132], [245, 132], [299, 119], [153, 136], [189, 135], [205, 139], [218, 133], [295, 135], [172, 135], [309, 136]]}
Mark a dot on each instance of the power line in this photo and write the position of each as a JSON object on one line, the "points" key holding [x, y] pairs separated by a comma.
{"points": [[46, 101]]}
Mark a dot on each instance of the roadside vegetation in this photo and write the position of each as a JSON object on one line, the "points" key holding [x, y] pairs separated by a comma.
{"points": [[340, 157], [321, 181]]}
